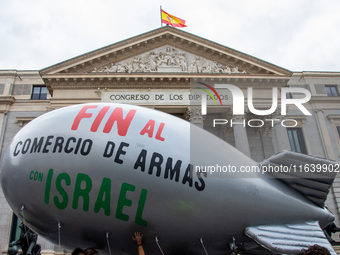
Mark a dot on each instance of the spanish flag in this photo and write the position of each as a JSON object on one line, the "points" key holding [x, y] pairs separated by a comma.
{"points": [[172, 20]]}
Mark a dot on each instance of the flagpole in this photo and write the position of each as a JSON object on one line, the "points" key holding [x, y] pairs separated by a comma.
{"points": [[161, 14]]}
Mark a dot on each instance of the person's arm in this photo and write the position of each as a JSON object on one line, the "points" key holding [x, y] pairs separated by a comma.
{"points": [[138, 239], [140, 250]]}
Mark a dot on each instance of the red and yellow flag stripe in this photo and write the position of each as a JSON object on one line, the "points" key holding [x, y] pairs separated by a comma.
{"points": [[172, 20]]}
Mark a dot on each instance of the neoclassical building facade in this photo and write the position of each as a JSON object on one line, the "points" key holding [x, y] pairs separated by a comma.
{"points": [[161, 69]]}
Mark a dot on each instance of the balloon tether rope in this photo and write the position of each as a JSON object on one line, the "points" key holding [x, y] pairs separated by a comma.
{"points": [[159, 247], [201, 240], [59, 235], [108, 243]]}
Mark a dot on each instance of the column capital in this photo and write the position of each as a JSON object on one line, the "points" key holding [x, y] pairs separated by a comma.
{"points": [[194, 115], [226, 129], [266, 129], [268, 124], [228, 114], [239, 117], [277, 115]]}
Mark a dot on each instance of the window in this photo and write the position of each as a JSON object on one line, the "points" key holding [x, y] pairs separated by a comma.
{"points": [[288, 94], [332, 91], [296, 140], [39, 92], [15, 229]]}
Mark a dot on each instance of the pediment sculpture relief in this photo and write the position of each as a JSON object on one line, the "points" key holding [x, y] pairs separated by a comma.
{"points": [[169, 60]]}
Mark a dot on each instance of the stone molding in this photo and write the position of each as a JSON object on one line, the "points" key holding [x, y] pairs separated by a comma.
{"points": [[333, 117], [153, 80], [5, 103], [8, 100], [24, 120]]}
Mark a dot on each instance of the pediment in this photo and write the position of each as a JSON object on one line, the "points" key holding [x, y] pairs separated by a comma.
{"points": [[165, 50], [167, 59]]}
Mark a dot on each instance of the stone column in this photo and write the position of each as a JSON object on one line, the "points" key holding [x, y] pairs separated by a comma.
{"points": [[240, 134], [267, 138], [194, 115], [226, 129], [2, 118], [281, 135], [46, 246], [5, 103], [325, 135]]}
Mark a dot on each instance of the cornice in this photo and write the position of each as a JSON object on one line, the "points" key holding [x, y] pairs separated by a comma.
{"points": [[156, 80], [298, 117], [319, 74], [325, 99], [7, 100], [333, 117], [101, 76], [63, 102]]}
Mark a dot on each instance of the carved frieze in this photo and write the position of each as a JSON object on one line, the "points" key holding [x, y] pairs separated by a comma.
{"points": [[168, 59]]}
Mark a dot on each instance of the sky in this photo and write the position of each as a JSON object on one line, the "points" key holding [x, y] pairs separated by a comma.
{"points": [[298, 35]]}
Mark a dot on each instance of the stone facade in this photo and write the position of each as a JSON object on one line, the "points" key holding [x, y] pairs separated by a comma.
{"points": [[166, 62]]}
